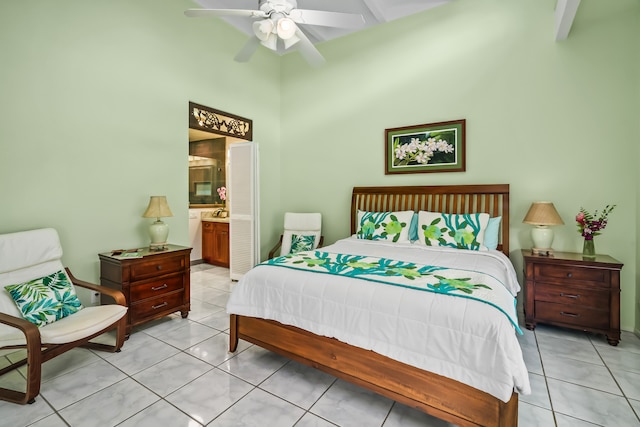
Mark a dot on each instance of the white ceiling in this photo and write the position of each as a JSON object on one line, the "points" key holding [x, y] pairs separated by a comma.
{"points": [[374, 12]]}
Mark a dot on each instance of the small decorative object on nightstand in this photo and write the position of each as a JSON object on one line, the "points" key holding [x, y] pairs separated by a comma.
{"points": [[589, 226], [567, 290], [542, 215], [154, 283]]}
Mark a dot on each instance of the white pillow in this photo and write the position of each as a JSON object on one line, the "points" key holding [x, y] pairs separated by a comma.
{"points": [[387, 226], [459, 231]]}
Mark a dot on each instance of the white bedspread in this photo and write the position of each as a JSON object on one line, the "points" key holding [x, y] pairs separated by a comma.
{"points": [[459, 338]]}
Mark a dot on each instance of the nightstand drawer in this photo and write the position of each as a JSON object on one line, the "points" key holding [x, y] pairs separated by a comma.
{"points": [[151, 307], [567, 274], [156, 288], [572, 315], [572, 296], [155, 268]]}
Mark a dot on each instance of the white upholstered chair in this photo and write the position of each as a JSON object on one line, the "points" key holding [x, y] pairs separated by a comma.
{"points": [[24, 257], [298, 229]]}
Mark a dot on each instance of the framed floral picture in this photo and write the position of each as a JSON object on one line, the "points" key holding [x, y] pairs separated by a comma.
{"points": [[434, 147]]}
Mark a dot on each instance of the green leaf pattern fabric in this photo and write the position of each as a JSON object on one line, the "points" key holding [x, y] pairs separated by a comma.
{"points": [[459, 231], [46, 299], [391, 226], [429, 278], [301, 243]]}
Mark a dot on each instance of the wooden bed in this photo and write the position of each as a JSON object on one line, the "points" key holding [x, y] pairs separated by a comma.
{"points": [[439, 396]]}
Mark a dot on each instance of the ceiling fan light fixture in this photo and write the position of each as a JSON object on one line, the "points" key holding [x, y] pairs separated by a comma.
{"points": [[291, 41], [263, 29], [286, 28], [271, 42]]}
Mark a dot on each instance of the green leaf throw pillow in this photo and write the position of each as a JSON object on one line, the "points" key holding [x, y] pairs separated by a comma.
{"points": [[459, 231], [300, 243], [46, 299], [389, 226]]}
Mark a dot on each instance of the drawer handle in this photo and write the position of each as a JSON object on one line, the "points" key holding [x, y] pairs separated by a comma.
{"points": [[159, 267], [569, 275], [159, 287], [155, 307], [562, 294], [569, 314]]}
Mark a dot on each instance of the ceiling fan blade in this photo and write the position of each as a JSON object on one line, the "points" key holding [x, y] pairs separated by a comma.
{"points": [[248, 50], [327, 19], [308, 50], [198, 13]]}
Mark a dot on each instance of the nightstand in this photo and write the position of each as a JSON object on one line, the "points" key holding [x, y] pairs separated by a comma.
{"points": [[566, 290], [155, 285]]}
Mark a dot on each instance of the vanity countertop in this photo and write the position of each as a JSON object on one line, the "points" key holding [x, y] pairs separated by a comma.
{"points": [[215, 219], [210, 216]]}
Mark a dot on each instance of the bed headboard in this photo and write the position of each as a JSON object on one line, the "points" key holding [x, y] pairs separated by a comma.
{"points": [[492, 199]]}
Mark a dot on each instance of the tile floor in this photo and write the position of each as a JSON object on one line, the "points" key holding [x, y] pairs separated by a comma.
{"points": [[177, 372]]}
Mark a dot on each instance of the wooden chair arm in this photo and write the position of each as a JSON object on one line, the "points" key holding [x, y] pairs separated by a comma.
{"points": [[113, 293], [29, 329], [272, 252]]}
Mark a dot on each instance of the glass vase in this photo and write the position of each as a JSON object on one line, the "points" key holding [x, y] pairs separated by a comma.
{"points": [[588, 249]]}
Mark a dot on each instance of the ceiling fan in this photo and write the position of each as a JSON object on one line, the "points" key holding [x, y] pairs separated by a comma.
{"points": [[276, 26]]}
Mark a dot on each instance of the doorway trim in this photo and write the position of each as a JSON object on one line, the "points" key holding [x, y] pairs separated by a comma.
{"points": [[221, 122]]}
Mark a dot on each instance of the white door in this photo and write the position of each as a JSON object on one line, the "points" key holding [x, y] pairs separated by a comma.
{"points": [[243, 208]]}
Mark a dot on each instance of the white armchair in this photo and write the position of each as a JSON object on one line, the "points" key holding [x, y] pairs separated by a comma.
{"points": [[26, 258], [301, 231]]}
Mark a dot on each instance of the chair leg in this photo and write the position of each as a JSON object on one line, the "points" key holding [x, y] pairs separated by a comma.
{"points": [[34, 372]]}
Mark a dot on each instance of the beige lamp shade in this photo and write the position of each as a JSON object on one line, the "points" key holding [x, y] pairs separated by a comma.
{"points": [[158, 208], [158, 231], [542, 215]]}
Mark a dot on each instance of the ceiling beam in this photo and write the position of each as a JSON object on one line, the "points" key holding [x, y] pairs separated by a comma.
{"points": [[565, 15]]}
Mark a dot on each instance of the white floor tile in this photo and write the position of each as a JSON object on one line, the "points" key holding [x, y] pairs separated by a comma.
{"points": [[539, 394], [580, 402], [110, 406], [348, 405], [298, 384], [259, 409], [159, 414], [404, 416], [210, 395], [172, 373], [580, 373], [254, 365], [63, 390]]}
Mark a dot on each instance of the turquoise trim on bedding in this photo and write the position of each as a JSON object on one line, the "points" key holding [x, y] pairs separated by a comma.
{"points": [[455, 282]]}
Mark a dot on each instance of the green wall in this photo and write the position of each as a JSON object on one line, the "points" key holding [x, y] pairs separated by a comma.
{"points": [[94, 115], [554, 120]]}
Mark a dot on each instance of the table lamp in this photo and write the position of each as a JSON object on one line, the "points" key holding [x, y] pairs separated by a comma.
{"points": [[542, 215], [158, 231]]}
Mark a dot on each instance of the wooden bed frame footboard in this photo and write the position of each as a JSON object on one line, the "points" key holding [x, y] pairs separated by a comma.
{"points": [[436, 395]]}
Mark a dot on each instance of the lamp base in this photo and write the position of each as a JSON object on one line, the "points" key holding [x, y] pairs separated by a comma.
{"points": [[156, 247], [542, 251], [158, 231]]}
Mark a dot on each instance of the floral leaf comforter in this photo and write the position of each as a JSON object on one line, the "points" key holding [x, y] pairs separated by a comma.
{"points": [[460, 338]]}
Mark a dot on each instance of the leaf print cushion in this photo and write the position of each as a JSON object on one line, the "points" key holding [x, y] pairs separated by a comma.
{"points": [[460, 231], [300, 243], [46, 299], [389, 226]]}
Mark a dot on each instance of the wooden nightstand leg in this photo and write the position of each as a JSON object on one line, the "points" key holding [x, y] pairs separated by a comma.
{"points": [[184, 313], [530, 326], [613, 339]]}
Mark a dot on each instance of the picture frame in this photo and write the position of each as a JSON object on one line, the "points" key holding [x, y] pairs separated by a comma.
{"points": [[431, 147]]}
